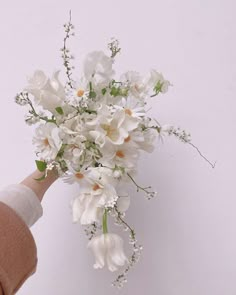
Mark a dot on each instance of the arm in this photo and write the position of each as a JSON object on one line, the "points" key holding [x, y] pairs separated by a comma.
{"points": [[18, 252]]}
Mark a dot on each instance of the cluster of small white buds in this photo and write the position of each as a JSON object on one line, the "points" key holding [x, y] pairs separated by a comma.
{"points": [[22, 99], [91, 229], [181, 134], [51, 165], [114, 47], [151, 195], [117, 174], [111, 203], [137, 249]]}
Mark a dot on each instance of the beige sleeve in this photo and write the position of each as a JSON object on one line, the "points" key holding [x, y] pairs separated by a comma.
{"points": [[18, 253], [23, 201]]}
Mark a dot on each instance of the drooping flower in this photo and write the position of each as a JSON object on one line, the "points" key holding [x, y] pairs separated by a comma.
{"points": [[89, 206], [47, 141], [85, 209], [108, 250]]}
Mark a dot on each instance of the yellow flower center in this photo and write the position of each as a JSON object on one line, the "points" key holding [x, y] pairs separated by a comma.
{"points": [[46, 142], [136, 87], [127, 139], [109, 130], [79, 175], [120, 154], [80, 92], [96, 187], [128, 112]]}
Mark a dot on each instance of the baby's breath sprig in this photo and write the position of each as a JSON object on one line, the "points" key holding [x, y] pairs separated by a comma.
{"points": [[135, 256], [113, 46], [147, 190], [66, 54], [91, 230], [23, 99]]}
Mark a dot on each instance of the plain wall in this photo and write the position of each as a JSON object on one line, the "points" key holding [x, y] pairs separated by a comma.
{"points": [[189, 230]]}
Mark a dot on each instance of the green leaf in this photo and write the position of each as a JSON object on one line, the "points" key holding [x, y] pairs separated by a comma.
{"points": [[115, 91], [59, 110], [158, 87], [41, 165], [61, 151], [92, 94], [104, 90], [40, 178]]}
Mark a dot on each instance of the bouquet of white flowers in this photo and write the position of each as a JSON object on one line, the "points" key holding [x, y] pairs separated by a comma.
{"points": [[92, 132]]}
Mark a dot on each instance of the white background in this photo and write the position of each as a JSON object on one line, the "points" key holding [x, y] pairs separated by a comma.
{"points": [[189, 230]]}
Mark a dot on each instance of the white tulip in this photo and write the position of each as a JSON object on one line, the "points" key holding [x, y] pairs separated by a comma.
{"points": [[108, 250]]}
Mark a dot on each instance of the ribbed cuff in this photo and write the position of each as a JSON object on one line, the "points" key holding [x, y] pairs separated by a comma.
{"points": [[23, 201]]}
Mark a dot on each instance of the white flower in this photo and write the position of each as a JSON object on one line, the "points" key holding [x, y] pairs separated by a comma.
{"points": [[108, 250], [86, 210], [135, 83], [74, 176], [114, 128], [157, 82], [132, 106], [143, 140], [124, 155], [102, 186], [79, 91], [89, 206], [98, 67], [49, 93], [47, 140]]}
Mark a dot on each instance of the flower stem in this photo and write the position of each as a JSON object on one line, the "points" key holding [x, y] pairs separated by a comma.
{"points": [[104, 222]]}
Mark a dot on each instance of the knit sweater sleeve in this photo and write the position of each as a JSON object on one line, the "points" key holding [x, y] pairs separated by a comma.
{"points": [[18, 253]]}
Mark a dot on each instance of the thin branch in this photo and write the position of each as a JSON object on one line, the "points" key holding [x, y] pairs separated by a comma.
{"points": [[197, 149], [65, 52]]}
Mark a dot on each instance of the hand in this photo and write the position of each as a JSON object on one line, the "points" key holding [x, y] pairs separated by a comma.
{"points": [[40, 187]]}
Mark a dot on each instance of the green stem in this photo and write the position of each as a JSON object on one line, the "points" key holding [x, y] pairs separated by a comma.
{"points": [[104, 222]]}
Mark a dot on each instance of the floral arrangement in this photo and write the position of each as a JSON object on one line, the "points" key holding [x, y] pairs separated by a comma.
{"points": [[92, 131]]}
